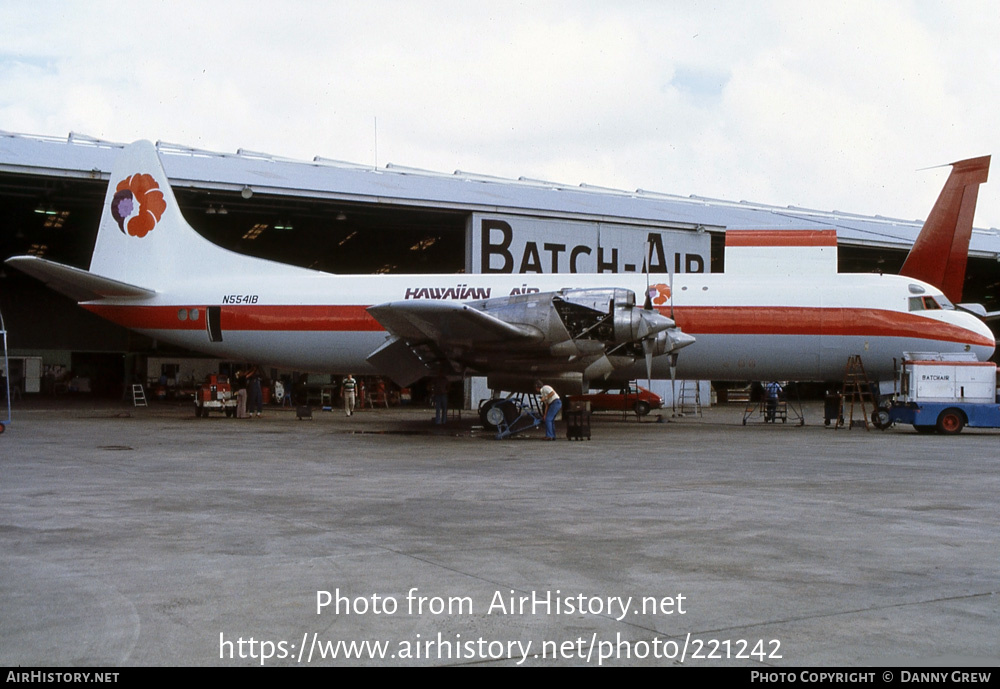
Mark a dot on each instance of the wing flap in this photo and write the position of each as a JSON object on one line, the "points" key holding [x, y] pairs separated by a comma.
{"points": [[400, 362], [448, 323], [77, 284]]}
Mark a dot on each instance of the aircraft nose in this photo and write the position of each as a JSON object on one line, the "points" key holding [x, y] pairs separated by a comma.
{"points": [[982, 341]]}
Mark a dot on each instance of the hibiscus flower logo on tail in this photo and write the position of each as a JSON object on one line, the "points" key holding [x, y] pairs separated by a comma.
{"points": [[137, 205]]}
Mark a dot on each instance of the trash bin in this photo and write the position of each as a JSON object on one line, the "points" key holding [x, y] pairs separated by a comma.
{"points": [[831, 408], [577, 418]]}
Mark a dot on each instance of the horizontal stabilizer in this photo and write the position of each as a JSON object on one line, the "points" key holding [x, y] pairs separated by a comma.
{"points": [[77, 284], [980, 312]]}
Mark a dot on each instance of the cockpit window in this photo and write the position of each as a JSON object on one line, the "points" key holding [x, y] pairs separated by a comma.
{"points": [[927, 303]]}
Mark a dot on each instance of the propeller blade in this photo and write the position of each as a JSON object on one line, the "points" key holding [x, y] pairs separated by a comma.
{"points": [[648, 303], [647, 349], [671, 286], [673, 383]]}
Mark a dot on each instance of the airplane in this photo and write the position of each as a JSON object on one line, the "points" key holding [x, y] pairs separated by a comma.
{"points": [[780, 311], [940, 254]]}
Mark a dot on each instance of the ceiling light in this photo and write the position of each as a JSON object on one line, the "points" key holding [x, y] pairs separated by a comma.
{"points": [[255, 231]]}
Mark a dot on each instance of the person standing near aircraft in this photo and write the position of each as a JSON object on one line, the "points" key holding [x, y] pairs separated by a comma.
{"points": [[240, 383], [771, 392], [348, 390], [440, 393], [255, 395], [551, 406]]}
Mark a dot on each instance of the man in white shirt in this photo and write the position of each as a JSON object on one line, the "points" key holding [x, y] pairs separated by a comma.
{"points": [[348, 390], [551, 406]]}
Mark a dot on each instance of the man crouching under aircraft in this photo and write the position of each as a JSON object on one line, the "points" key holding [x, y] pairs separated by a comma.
{"points": [[551, 405]]}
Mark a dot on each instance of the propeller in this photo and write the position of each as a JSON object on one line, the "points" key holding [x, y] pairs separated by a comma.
{"points": [[647, 349], [647, 305], [673, 383]]}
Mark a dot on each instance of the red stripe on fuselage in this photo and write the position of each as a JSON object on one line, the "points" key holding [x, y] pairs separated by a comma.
{"points": [[783, 320], [265, 318], [694, 320], [781, 238]]}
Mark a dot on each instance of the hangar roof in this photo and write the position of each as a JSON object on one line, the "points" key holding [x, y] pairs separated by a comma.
{"points": [[85, 157]]}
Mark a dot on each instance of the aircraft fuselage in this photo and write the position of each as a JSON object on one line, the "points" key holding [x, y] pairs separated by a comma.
{"points": [[744, 329]]}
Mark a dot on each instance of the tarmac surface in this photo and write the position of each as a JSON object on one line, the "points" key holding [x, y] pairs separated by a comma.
{"points": [[149, 537]]}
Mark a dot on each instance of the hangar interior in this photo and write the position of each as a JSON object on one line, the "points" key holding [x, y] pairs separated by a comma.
{"points": [[405, 221]]}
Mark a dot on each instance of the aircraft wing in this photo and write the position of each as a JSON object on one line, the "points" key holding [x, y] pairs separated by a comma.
{"points": [[77, 284], [573, 335], [448, 323], [427, 335]]}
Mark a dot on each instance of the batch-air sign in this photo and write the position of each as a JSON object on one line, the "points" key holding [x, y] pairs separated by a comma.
{"points": [[517, 244]]}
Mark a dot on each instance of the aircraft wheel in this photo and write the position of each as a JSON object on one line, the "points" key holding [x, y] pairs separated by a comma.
{"points": [[881, 419], [951, 422], [924, 429], [642, 408], [495, 416], [505, 410], [484, 410], [230, 413]]}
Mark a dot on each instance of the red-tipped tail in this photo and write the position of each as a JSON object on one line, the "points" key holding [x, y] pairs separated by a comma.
{"points": [[940, 253]]}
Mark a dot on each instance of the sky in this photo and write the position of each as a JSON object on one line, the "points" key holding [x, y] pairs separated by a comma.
{"points": [[837, 105]]}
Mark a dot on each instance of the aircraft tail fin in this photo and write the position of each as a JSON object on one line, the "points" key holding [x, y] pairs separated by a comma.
{"points": [[941, 251], [143, 238]]}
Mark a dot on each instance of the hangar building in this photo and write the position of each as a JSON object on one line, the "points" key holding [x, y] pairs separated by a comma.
{"points": [[347, 218]]}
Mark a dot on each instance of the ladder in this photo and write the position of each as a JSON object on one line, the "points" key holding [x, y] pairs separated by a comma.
{"points": [[857, 390], [690, 397], [138, 396]]}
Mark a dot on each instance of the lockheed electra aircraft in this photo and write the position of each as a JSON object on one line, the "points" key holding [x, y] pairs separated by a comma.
{"points": [[780, 311]]}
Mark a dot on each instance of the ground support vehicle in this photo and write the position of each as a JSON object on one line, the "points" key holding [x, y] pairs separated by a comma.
{"points": [[943, 394], [215, 394], [941, 417]]}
